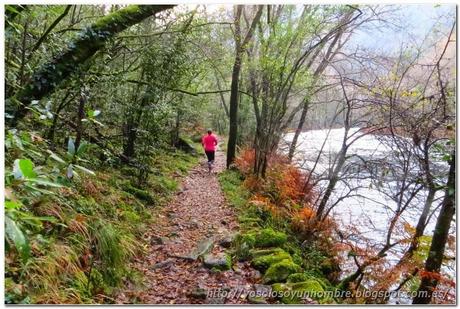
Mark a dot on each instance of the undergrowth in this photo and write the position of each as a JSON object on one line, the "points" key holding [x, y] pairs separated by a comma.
{"points": [[70, 241], [277, 204]]}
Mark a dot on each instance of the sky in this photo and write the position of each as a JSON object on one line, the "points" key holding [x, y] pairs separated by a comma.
{"points": [[419, 20]]}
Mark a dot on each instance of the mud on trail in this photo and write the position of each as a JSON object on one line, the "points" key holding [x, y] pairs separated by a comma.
{"points": [[195, 220]]}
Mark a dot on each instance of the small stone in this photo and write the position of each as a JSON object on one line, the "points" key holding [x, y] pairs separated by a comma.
{"points": [[162, 264], [227, 241], [198, 293], [202, 247], [157, 240], [216, 300], [256, 274], [262, 290], [257, 300], [194, 224], [220, 261]]}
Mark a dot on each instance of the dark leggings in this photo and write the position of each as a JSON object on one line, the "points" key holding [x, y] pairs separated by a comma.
{"points": [[210, 155]]}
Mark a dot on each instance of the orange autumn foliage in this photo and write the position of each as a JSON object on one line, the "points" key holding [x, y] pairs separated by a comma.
{"points": [[285, 191], [284, 183]]}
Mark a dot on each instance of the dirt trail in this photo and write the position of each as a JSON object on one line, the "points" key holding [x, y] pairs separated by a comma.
{"points": [[197, 212]]}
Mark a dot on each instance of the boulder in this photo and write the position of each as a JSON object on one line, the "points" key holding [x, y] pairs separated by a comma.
{"points": [[221, 261], [184, 145], [227, 241], [280, 271], [299, 292], [270, 238], [263, 262]]}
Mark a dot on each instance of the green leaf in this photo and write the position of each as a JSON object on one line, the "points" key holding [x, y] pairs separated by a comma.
{"points": [[14, 233], [97, 122], [11, 9], [82, 148], [55, 157], [23, 168], [71, 146], [10, 205], [45, 182], [33, 189], [84, 169]]}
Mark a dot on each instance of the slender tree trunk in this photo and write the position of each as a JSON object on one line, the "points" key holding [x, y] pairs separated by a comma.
{"points": [[293, 145], [233, 113], [54, 72], [52, 129], [441, 232], [421, 224], [80, 116], [332, 182], [240, 46]]}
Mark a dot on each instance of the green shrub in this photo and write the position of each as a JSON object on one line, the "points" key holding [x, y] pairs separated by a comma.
{"points": [[113, 247]]}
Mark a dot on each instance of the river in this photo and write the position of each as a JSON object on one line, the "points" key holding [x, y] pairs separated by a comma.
{"points": [[369, 210]]}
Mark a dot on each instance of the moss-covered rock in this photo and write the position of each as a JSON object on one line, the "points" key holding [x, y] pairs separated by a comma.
{"points": [[243, 243], [255, 253], [314, 289], [298, 277], [219, 262], [283, 292], [294, 293], [270, 238], [280, 271], [263, 262]]}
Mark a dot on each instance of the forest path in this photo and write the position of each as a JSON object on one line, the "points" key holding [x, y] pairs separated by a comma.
{"points": [[197, 214]]}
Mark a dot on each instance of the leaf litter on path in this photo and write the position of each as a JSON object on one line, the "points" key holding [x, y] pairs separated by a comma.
{"points": [[190, 226]]}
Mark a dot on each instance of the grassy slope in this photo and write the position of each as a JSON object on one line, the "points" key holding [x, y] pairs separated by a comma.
{"points": [[82, 257]]}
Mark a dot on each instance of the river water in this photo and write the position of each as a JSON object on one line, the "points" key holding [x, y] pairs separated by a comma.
{"points": [[369, 209]]}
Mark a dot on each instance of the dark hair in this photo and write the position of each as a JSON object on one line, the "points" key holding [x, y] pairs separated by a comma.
{"points": [[209, 131]]}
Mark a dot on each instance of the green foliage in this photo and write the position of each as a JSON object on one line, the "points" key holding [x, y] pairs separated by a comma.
{"points": [[114, 248], [16, 236], [231, 183], [68, 240], [139, 193]]}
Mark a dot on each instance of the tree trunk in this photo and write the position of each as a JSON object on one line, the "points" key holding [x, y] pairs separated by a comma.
{"points": [[434, 261], [233, 113], [240, 46], [293, 145], [57, 70], [79, 129], [421, 224], [332, 182]]}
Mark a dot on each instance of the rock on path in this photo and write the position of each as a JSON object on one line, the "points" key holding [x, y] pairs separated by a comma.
{"points": [[197, 213]]}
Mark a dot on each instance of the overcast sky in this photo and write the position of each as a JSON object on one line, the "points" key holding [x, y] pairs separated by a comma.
{"points": [[419, 20]]}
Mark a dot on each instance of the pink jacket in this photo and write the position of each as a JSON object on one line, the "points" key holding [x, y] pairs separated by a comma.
{"points": [[209, 142]]}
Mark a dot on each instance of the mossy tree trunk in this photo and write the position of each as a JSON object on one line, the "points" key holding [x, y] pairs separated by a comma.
{"points": [[240, 46], [438, 243], [54, 72]]}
